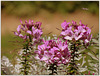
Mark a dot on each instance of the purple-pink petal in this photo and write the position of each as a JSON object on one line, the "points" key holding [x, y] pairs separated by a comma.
{"points": [[16, 33], [29, 32], [18, 28]]}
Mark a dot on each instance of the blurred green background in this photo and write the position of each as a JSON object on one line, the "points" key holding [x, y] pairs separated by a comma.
{"points": [[50, 13]]}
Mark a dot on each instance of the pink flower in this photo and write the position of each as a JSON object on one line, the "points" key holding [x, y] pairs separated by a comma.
{"points": [[29, 28], [53, 51], [76, 32]]}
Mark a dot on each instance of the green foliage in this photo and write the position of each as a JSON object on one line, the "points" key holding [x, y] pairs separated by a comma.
{"points": [[89, 59], [10, 46]]}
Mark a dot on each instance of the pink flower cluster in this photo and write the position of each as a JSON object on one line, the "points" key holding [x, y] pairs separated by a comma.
{"points": [[53, 51], [76, 31], [29, 28]]}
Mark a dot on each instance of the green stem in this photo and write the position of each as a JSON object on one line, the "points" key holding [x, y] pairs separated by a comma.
{"points": [[25, 69], [26, 66], [25, 56], [72, 68], [53, 68]]}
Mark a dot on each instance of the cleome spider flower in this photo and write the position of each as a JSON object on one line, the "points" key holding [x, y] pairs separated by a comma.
{"points": [[53, 51], [29, 28], [74, 31]]}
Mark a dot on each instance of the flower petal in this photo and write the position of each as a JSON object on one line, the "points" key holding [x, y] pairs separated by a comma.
{"points": [[16, 33], [29, 32], [68, 38], [18, 28]]}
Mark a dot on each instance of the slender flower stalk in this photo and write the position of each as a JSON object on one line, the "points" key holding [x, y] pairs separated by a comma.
{"points": [[72, 69], [29, 32], [53, 68], [76, 34], [25, 60]]}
